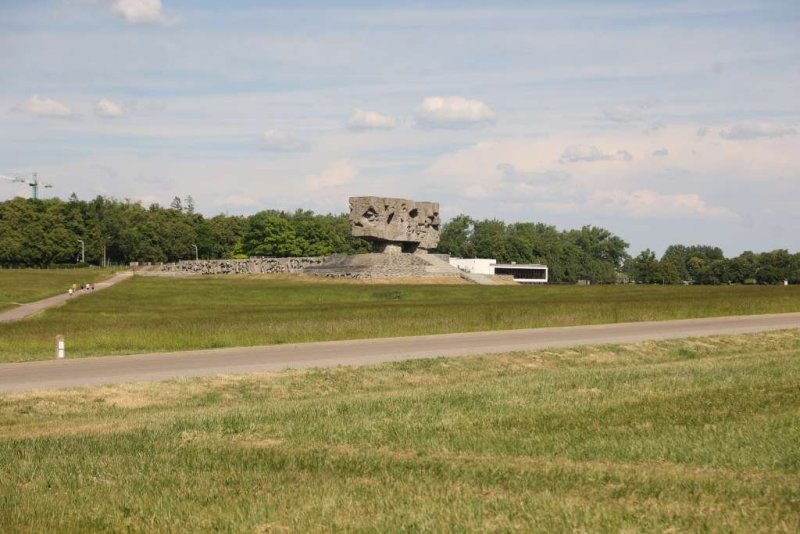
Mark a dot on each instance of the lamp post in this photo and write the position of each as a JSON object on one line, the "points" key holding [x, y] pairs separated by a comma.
{"points": [[83, 250], [196, 255]]}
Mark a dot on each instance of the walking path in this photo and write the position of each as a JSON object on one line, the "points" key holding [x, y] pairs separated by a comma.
{"points": [[163, 366], [31, 308]]}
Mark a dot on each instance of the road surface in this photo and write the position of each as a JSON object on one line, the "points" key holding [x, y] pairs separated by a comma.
{"points": [[32, 308], [15, 377]]}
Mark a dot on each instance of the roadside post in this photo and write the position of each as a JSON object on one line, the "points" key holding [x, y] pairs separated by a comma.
{"points": [[60, 347]]}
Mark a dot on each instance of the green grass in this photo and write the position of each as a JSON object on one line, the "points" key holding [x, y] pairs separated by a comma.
{"points": [[18, 286], [157, 314], [678, 436]]}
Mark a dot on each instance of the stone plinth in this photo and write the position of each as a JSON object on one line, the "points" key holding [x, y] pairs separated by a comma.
{"points": [[383, 266], [395, 224]]}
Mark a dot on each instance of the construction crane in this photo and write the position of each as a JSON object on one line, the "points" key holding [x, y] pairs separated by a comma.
{"points": [[34, 183]]}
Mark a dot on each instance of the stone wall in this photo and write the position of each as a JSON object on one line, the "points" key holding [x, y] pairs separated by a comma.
{"points": [[249, 266], [359, 266]]}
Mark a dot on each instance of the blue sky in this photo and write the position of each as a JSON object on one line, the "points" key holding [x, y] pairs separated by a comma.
{"points": [[666, 122]]}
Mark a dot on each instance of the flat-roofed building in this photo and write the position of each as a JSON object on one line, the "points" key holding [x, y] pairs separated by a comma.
{"points": [[474, 265], [524, 273]]}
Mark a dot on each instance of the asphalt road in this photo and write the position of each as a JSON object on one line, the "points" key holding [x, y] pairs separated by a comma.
{"points": [[26, 310], [15, 377]]}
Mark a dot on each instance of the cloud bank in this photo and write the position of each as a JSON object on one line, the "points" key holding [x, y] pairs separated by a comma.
{"points": [[651, 204]]}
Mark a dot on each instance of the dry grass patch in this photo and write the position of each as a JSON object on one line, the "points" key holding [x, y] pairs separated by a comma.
{"points": [[683, 435]]}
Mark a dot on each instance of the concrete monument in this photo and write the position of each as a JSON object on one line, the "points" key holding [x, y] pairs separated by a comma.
{"points": [[395, 224]]}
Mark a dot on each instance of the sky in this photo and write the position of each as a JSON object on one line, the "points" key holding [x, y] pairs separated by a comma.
{"points": [[664, 122]]}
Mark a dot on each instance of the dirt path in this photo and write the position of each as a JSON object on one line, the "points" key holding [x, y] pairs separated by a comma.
{"points": [[32, 308], [163, 366]]}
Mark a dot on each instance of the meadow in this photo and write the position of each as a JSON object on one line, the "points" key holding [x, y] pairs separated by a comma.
{"points": [[149, 314], [18, 286], [689, 435]]}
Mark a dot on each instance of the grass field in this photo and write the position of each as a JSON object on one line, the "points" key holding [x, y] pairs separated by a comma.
{"points": [[18, 286], [678, 436], [156, 314]]}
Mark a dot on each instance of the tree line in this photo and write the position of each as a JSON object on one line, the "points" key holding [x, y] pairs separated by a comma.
{"points": [[708, 265], [41, 233], [595, 254]]}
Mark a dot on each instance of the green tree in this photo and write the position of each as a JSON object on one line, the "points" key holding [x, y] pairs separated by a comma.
{"points": [[455, 237], [489, 240], [271, 236]]}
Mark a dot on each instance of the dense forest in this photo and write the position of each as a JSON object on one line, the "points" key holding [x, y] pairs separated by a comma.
{"points": [[40, 233]]}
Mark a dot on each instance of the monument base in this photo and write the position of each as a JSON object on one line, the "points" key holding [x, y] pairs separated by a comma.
{"points": [[383, 266]]}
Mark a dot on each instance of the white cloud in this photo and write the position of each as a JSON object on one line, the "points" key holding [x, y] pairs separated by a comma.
{"points": [[756, 130], [44, 107], [532, 172], [661, 152], [653, 205], [453, 112], [595, 165], [140, 11], [361, 120], [340, 173], [276, 141], [577, 153], [108, 109]]}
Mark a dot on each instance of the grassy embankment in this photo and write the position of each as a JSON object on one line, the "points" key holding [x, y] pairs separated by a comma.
{"points": [[697, 435], [156, 314], [18, 286]]}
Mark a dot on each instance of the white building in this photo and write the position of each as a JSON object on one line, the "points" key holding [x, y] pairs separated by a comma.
{"points": [[524, 273], [474, 265]]}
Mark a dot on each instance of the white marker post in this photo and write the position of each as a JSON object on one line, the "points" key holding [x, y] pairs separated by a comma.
{"points": [[61, 351]]}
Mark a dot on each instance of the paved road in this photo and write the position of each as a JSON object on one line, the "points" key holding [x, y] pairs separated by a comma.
{"points": [[32, 308], [162, 366]]}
